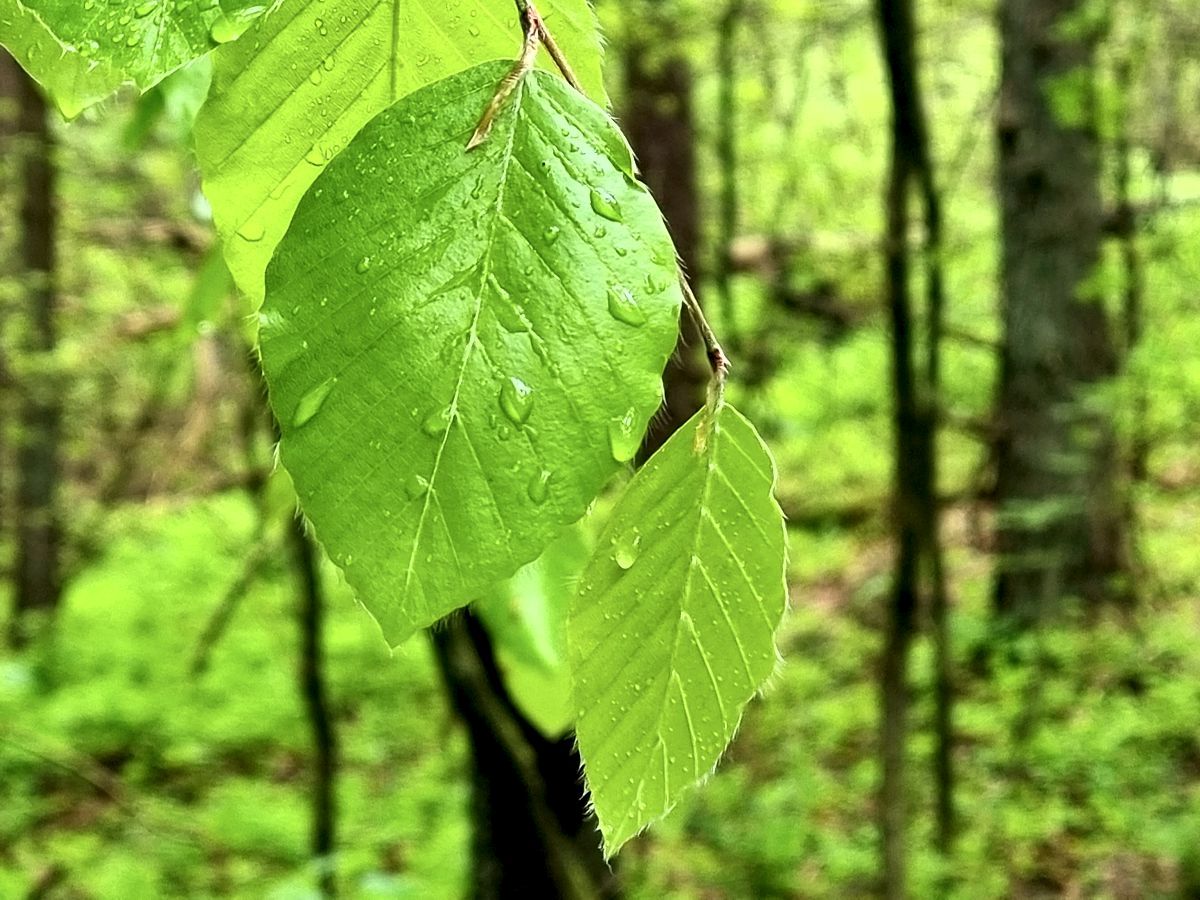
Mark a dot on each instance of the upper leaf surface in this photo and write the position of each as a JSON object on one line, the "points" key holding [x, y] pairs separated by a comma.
{"points": [[300, 85], [449, 342], [673, 629], [80, 51]]}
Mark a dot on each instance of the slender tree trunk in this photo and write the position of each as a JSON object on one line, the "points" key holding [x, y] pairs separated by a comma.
{"points": [[727, 162], [316, 702], [37, 576], [917, 510], [1061, 524], [1133, 289], [658, 121], [533, 835]]}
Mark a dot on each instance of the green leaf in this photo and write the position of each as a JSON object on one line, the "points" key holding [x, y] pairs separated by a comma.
{"points": [[440, 344], [526, 617], [292, 94], [673, 629], [81, 51]]}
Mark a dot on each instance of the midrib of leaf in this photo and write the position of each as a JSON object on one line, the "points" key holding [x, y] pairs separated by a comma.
{"points": [[683, 628], [472, 342], [672, 675]]}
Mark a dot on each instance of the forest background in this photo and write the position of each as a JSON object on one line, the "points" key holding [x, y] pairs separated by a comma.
{"points": [[959, 290]]}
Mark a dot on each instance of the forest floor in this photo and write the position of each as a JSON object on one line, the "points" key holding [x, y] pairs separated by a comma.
{"points": [[126, 775]]}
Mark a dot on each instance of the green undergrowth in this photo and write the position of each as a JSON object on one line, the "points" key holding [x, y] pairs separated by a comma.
{"points": [[1077, 751]]}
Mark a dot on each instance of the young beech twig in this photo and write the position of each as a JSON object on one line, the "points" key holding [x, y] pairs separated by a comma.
{"points": [[533, 20]]}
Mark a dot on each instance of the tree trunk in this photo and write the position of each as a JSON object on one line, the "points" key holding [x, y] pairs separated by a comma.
{"points": [[532, 833], [658, 121], [915, 423], [316, 702], [37, 576], [1061, 529]]}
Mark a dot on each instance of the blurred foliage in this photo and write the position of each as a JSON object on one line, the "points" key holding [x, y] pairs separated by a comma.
{"points": [[124, 775]]}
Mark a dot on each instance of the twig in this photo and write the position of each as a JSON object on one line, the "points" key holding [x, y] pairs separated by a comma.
{"points": [[717, 359], [523, 64], [533, 21]]}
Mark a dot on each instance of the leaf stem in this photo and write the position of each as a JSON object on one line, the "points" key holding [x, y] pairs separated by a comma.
{"points": [[532, 20], [717, 360], [523, 64]]}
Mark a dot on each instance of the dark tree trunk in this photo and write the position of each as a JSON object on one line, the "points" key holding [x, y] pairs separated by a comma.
{"points": [[1061, 528], [532, 833], [915, 424], [316, 702], [1133, 289], [658, 121], [37, 576]]}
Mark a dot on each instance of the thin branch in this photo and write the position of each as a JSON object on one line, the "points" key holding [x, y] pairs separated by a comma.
{"points": [[533, 21], [523, 64], [717, 359]]}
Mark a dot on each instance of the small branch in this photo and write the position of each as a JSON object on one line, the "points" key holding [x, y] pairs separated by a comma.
{"points": [[523, 64], [533, 21], [717, 360]]}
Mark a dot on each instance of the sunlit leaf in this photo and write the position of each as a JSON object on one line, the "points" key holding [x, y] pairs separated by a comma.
{"points": [[81, 51], [303, 82]]}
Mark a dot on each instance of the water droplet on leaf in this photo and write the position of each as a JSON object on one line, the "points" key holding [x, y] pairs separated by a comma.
{"points": [[438, 421], [605, 204], [310, 404], [516, 400], [623, 306], [416, 486], [626, 549], [623, 437], [539, 486]]}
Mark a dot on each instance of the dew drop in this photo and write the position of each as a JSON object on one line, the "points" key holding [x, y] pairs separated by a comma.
{"points": [[438, 421], [310, 404], [252, 232], [146, 8], [626, 549], [516, 400], [539, 486], [363, 265], [223, 30], [624, 307], [655, 284], [550, 235], [623, 437], [605, 204], [416, 486]]}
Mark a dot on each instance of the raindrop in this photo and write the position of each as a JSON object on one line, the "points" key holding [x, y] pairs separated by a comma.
{"points": [[605, 204], [623, 437], [624, 307], [626, 550], [363, 265], [310, 404], [438, 421], [551, 234], [654, 284], [539, 486], [252, 232], [516, 400], [146, 8], [416, 486], [223, 30]]}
